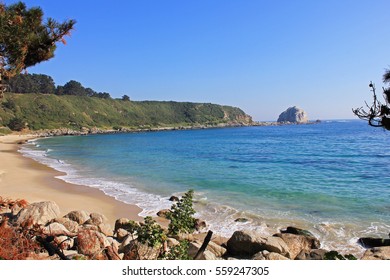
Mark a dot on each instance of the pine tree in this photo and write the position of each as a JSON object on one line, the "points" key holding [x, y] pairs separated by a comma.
{"points": [[25, 40]]}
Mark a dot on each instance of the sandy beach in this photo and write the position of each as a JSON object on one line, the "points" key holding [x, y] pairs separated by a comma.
{"points": [[24, 178]]}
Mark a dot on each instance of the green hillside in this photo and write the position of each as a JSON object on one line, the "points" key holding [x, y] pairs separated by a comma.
{"points": [[48, 111]]}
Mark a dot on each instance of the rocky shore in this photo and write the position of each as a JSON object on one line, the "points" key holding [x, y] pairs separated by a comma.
{"points": [[38, 231], [94, 130]]}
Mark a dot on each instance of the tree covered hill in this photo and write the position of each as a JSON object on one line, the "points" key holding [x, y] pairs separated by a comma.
{"points": [[49, 111]]}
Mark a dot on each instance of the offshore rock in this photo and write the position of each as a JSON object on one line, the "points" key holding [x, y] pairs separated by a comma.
{"points": [[297, 231], [293, 115], [370, 242]]}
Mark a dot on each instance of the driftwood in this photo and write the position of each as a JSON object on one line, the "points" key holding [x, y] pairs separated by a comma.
{"points": [[204, 245]]}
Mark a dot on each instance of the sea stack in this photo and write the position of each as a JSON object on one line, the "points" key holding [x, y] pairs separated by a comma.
{"points": [[293, 115]]}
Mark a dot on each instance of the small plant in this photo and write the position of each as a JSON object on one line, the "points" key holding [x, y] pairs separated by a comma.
{"points": [[177, 252], [17, 124], [149, 232], [181, 215]]}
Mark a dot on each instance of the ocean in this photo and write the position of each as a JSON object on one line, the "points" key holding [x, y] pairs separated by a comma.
{"points": [[332, 178]]}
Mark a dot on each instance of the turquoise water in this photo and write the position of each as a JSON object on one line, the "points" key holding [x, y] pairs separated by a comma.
{"points": [[332, 178]]}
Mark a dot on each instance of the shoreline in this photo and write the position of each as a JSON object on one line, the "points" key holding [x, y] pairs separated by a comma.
{"points": [[24, 178]]}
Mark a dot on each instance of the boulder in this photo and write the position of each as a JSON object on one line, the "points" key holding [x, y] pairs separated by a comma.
{"points": [[101, 222], [247, 243], [293, 115], [216, 249], [244, 243], [121, 234], [275, 244], [377, 253], [70, 225], [316, 254], [193, 249], [369, 242], [78, 216], [297, 231], [38, 213], [56, 229], [96, 219], [138, 251], [91, 243], [106, 229], [297, 243]]}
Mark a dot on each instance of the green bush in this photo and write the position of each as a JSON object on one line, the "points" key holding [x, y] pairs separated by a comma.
{"points": [[5, 130], [149, 232], [177, 252], [181, 215], [17, 124]]}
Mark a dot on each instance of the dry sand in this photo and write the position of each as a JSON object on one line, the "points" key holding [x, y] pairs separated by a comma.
{"points": [[24, 178]]}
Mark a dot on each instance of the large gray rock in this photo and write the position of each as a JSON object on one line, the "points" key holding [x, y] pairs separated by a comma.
{"points": [[297, 243], [38, 213], [78, 216], [193, 249], [213, 251], [247, 243], [101, 222], [68, 223], [293, 115], [56, 229]]}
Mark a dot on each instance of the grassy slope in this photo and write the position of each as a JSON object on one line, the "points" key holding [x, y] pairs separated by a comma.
{"points": [[51, 111]]}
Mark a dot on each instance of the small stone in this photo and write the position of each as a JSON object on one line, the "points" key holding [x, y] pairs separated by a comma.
{"points": [[174, 198], [241, 220]]}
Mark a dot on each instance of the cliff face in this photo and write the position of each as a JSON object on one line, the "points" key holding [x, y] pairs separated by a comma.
{"points": [[293, 115], [50, 111]]}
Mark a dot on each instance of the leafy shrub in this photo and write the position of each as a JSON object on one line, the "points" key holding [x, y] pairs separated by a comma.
{"points": [[5, 130], [149, 232], [177, 252], [17, 124], [181, 215], [10, 104]]}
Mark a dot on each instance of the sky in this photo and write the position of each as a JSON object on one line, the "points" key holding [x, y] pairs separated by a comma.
{"points": [[260, 55]]}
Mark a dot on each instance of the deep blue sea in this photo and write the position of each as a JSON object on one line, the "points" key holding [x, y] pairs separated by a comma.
{"points": [[332, 178]]}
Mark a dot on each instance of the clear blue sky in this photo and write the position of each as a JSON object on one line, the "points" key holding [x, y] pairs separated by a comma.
{"points": [[260, 55]]}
